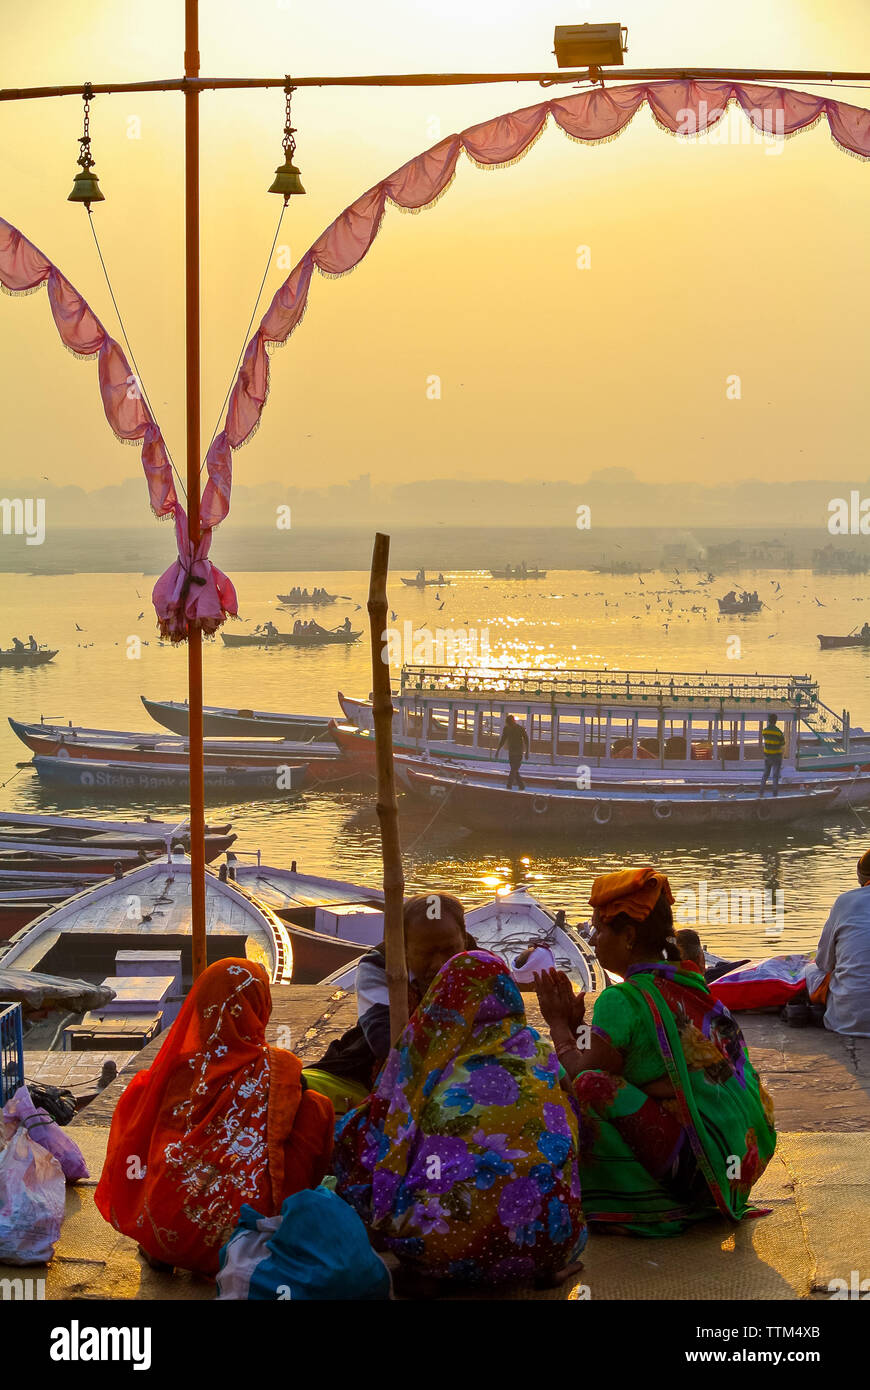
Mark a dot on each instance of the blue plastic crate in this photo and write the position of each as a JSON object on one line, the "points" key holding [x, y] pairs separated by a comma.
{"points": [[11, 1051]]}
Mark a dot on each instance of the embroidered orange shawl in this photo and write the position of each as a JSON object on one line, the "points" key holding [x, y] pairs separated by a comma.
{"points": [[203, 1129]]}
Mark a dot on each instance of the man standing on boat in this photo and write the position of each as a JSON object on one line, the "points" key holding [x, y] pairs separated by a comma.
{"points": [[517, 740], [773, 742]]}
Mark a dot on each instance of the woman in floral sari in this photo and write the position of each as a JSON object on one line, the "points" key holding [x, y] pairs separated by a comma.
{"points": [[463, 1162], [677, 1125], [218, 1119]]}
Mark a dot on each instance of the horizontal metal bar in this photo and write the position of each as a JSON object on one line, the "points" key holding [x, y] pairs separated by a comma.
{"points": [[450, 79]]}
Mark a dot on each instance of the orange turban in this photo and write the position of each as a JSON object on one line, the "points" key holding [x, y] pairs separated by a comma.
{"points": [[632, 891]]}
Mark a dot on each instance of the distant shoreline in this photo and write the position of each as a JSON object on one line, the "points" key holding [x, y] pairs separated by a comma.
{"points": [[150, 550]]}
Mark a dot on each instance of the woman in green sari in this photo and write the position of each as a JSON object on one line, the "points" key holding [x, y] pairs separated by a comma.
{"points": [[677, 1125]]}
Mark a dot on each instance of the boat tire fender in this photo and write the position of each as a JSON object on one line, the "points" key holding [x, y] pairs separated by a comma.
{"points": [[663, 810], [603, 813], [540, 804]]}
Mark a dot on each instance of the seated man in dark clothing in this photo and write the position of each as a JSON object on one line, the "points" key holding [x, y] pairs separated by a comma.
{"points": [[434, 932]]}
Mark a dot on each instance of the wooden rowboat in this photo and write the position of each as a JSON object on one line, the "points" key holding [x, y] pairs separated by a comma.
{"points": [[309, 601], [17, 660], [510, 924], [852, 640], [221, 722], [93, 778], [481, 806], [150, 908], [82, 827], [115, 745], [323, 638]]}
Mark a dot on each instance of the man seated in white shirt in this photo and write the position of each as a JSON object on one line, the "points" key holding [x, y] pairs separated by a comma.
{"points": [[844, 955]]}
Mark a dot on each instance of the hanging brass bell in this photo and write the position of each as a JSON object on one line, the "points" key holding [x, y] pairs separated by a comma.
{"points": [[287, 179], [86, 189]]}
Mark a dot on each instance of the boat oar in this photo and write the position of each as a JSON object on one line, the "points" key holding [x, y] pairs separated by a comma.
{"points": [[387, 807]]}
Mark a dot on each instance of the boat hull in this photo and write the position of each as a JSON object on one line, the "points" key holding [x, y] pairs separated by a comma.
{"points": [[480, 806], [110, 778], [17, 661], [114, 746], [289, 639], [292, 602], [829, 643], [358, 750], [228, 723], [150, 907]]}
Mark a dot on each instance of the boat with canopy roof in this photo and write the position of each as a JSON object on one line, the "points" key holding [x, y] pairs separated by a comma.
{"points": [[625, 727]]}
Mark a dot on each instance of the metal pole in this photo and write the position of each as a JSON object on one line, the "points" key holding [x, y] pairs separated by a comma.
{"points": [[606, 76], [192, 369]]}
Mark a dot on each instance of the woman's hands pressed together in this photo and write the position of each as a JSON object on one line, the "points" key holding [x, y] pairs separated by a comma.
{"points": [[563, 1010]]}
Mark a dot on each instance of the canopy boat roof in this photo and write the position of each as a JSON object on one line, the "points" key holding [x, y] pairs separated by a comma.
{"points": [[670, 690]]}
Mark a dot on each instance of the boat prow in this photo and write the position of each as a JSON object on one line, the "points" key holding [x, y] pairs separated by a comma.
{"points": [[150, 908]]}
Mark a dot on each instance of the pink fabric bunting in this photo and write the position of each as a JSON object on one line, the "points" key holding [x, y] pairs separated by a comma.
{"points": [[192, 590], [682, 107]]}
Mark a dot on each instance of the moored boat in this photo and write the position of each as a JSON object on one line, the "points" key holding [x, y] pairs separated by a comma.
{"points": [[479, 805], [624, 726], [222, 722], [358, 750], [509, 925], [71, 828], [108, 778], [149, 908], [18, 908], [115, 745]]}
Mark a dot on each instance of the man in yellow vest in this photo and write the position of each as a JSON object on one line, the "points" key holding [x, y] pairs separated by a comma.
{"points": [[773, 743]]}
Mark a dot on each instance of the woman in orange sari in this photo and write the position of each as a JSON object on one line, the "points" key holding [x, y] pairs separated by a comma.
{"points": [[217, 1120]]}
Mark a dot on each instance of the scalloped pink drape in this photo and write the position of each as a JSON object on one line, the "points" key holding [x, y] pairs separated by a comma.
{"points": [[193, 590]]}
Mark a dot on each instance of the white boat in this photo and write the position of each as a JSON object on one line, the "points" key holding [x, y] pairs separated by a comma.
{"points": [[509, 925], [358, 750], [626, 726], [149, 906]]}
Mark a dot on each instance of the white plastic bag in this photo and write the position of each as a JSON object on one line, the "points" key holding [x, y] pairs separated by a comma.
{"points": [[32, 1197]]}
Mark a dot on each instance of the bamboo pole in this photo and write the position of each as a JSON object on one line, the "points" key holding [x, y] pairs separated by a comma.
{"points": [[388, 811], [446, 79], [192, 371]]}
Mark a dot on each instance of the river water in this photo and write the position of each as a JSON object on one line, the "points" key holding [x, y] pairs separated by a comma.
{"points": [[571, 618]]}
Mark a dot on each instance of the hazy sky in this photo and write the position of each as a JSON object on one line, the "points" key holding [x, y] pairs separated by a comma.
{"points": [[705, 260]]}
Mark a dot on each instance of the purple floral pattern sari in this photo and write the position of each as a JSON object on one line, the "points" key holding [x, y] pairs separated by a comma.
{"points": [[463, 1161]]}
